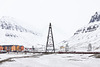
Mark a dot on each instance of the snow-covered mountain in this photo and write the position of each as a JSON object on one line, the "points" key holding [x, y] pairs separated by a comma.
{"points": [[86, 38], [13, 34]]}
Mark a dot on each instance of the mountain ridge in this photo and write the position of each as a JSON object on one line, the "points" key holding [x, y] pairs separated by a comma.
{"points": [[83, 37], [10, 24], [12, 33]]}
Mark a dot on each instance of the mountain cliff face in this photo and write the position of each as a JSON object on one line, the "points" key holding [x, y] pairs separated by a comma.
{"points": [[89, 34], [92, 26], [95, 18], [9, 23], [13, 34]]}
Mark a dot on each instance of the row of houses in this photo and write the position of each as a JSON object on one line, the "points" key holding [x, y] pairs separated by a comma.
{"points": [[11, 48]]}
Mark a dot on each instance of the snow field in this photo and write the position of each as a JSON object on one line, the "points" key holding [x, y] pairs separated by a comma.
{"points": [[55, 60]]}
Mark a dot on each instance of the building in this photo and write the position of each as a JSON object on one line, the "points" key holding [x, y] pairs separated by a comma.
{"points": [[12, 48]]}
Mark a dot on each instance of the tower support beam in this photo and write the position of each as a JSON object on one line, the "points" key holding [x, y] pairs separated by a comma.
{"points": [[50, 41]]}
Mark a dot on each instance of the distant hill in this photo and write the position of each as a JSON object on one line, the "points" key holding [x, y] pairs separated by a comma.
{"points": [[13, 34], [89, 34]]}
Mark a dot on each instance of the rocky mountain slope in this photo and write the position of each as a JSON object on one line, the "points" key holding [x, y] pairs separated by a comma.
{"points": [[13, 34], [86, 38]]}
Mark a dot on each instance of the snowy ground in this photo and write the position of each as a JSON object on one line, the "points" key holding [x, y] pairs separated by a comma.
{"points": [[50, 60]]}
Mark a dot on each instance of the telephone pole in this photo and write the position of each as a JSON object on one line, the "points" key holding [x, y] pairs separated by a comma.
{"points": [[50, 41]]}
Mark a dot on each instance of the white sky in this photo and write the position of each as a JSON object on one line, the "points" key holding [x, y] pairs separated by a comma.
{"points": [[66, 16]]}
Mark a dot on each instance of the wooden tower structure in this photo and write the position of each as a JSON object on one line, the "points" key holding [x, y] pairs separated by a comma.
{"points": [[50, 41]]}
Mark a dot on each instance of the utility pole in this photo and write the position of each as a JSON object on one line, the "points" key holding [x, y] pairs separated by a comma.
{"points": [[50, 41]]}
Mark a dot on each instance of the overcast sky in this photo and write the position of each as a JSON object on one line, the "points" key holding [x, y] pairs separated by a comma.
{"points": [[66, 16]]}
